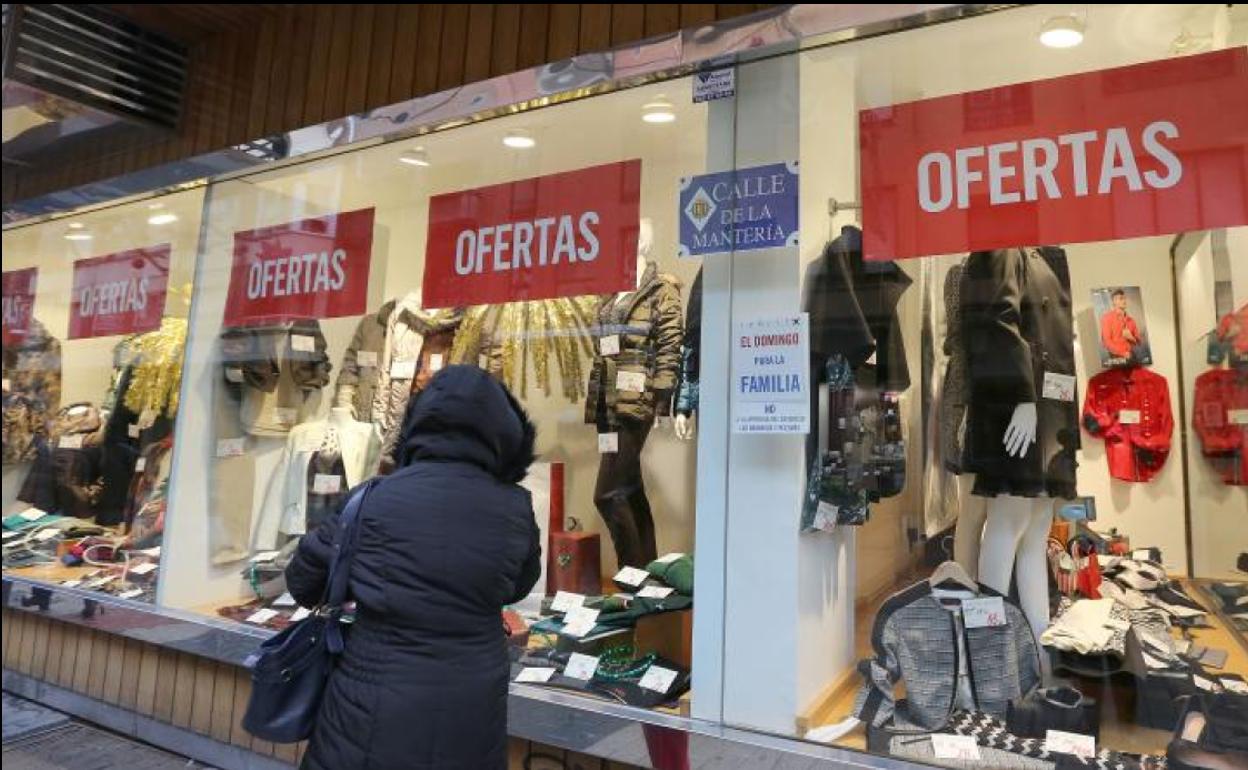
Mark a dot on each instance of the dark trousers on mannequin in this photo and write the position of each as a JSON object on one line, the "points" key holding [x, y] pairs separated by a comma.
{"points": [[620, 496]]}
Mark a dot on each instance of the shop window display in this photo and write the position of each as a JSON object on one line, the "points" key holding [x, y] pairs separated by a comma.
{"points": [[335, 291], [1023, 562], [95, 328]]}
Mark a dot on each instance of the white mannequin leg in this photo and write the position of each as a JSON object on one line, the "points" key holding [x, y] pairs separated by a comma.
{"points": [[969, 531], [1017, 532]]}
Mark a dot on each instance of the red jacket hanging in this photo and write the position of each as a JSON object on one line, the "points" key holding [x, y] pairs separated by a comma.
{"points": [[1130, 409], [1221, 421]]}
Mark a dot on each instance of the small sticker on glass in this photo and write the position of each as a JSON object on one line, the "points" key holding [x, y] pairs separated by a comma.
{"points": [[1129, 416], [988, 612]]}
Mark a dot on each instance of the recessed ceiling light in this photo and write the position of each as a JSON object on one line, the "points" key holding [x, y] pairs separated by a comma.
{"points": [[162, 218], [1062, 32], [77, 232], [519, 140], [658, 111], [415, 157]]}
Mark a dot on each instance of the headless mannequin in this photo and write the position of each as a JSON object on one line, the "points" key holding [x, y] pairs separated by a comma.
{"points": [[1016, 532]]}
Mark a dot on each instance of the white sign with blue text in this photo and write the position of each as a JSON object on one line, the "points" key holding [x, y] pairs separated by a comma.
{"points": [[771, 375], [744, 209]]}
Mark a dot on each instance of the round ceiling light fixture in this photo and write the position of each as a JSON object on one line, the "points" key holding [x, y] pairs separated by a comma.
{"points": [[416, 156], [1062, 32], [159, 216], [519, 140], [77, 232], [658, 111]]}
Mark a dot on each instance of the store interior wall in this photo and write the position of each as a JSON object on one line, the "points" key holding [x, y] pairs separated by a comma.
{"points": [[464, 158], [87, 364]]}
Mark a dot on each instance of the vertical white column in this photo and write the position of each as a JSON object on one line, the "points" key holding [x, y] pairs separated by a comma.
{"points": [[765, 480]]}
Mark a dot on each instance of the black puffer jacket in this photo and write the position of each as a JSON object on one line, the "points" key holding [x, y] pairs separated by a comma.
{"points": [[444, 543]]}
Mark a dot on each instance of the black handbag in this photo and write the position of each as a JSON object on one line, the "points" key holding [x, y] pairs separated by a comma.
{"points": [[290, 670], [1056, 708]]}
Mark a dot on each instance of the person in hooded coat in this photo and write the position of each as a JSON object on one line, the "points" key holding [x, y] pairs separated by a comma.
{"points": [[444, 543]]}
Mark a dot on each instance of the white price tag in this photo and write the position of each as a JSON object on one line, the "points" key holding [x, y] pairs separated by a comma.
{"points": [[140, 465], [581, 667], [230, 447], [6, 384], [436, 362], [70, 442], [566, 602], [152, 552], [610, 346], [1059, 387], [366, 358], [1082, 746], [608, 443], [32, 514], [1141, 554], [264, 556], [1129, 417], [669, 558], [262, 616], [633, 382], [44, 535], [79, 409], [403, 370], [579, 622], [536, 675], [302, 343], [961, 747], [285, 600], [133, 430], [631, 576], [1236, 686], [131, 594], [483, 362], [144, 569], [1208, 685], [656, 592], [658, 679], [1237, 416], [286, 415], [326, 484], [234, 374], [300, 614], [71, 584], [988, 612]]}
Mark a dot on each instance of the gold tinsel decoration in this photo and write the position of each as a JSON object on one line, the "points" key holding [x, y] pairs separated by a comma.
{"points": [[157, 374], [561, 328]]}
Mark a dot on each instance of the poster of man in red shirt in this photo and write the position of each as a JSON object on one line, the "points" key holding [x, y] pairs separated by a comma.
{"points": [[1124, 334]]}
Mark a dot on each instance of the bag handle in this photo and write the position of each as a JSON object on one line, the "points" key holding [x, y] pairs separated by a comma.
{"points": [[340, 564]]}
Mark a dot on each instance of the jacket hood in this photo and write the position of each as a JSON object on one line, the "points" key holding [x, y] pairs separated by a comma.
{"points": [[422, 320], [465, 415]]}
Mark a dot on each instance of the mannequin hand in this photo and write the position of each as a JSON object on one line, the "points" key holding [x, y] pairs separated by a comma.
{"points": [[684, 427], [1021, 432]]}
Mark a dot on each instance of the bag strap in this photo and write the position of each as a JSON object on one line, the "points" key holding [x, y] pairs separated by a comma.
{"points": [[340, 564]]}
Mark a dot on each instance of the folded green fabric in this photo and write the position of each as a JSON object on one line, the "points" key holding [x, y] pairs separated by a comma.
{"points": [[677, 573]]}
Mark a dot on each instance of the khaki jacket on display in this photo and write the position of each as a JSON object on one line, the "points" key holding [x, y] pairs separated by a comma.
{"points": [[361, 371], [648, 326]]}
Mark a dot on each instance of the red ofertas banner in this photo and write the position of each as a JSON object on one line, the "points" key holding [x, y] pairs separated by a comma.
{"points": [[19, 303], [1149, 149], [560, 235], [315, 268], [122, 293]]}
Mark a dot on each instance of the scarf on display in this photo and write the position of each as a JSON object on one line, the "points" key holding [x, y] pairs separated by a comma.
{"points": [[991, 732], [405, 337], [157, 378]]}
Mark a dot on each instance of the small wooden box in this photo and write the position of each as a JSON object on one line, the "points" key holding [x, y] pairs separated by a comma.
{"points": [[670, 634], [574, 563]]}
